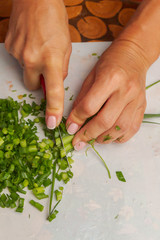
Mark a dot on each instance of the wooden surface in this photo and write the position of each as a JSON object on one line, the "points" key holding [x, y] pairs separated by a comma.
{"points": [[107, 17]]}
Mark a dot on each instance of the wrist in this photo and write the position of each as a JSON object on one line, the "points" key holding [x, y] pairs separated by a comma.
{"points": [[143, 31], [128, 56]]}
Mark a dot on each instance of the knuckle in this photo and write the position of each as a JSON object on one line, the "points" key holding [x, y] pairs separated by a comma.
{"points": [[88, 108], [133, 88], [56, 91], [29, 58], [125, 125]]}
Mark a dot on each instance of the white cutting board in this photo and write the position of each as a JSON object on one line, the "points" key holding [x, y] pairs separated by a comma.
{"points": [[94, 207]]}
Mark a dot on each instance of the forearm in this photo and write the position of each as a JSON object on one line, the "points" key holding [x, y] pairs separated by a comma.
{"points": [[144, 31]]}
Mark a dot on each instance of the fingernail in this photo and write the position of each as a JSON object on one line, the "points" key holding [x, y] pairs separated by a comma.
{"points": [[73, 128], [51, 122], [79, 146]]}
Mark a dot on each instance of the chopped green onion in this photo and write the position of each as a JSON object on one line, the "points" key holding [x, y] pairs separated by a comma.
{"points": [[152, 84], [120, 176], [37, 205], [107, 138]]}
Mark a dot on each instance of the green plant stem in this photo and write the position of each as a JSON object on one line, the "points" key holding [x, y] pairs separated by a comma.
{"points": [[52, 186], [54, 207], [109, 174], [152, 84], [151, 115], [151, 122]]}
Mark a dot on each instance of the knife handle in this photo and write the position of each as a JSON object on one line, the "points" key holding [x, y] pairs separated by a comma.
{"points": [[42, 82]]}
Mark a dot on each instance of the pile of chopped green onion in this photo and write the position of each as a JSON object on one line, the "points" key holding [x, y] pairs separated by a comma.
{"points": [[26, 163]]}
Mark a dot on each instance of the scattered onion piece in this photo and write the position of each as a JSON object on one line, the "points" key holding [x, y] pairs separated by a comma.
{"points": [[92, 27], [75, 36], [125, 15], [104, 9], [72, 2], [5, 8], [3, 29], [74, 11], [115, 29], [20, 96]]}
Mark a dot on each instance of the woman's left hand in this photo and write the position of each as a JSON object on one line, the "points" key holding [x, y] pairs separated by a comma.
{"points": [[113, 94]]}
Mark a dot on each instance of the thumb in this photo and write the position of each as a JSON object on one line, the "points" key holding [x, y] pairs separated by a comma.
{"points": [[53, 75]]}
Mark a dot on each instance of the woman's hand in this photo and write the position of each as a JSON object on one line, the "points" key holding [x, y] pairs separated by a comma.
{"points": [[39, 39], [113, 94], [115, 89]]}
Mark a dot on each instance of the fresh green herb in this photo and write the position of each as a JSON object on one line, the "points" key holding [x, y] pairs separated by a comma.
{"points": [[26, 162], [71, 98], [119, 139], [85, 132], [120, 176], [52, 187], [151, 122], [54, 212], [58, 195], [107, 138], [86, 151], [66, 89], [91, 142], [117, 128], [151, 115], [37, 205], [31, 96], [152, 84]]}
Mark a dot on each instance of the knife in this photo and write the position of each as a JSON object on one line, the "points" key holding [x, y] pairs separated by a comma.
{"points": [[42, 82]]}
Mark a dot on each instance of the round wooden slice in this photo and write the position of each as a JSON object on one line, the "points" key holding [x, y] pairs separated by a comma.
{"points": [[75, 35], [5, 8], [125, 15], [72, 2], [104, 9], [92, 27], [74, 11], [3, 29], [115, 29]]}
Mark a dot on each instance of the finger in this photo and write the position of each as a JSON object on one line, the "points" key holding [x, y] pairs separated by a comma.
{"points": [[66, 62], [90, 104], [121, 126], [53, 75], [134, 127], [31, 78], [103, 121]]}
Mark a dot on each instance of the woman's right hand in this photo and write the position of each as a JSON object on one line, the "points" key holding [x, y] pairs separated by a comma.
{"points": [[39, 39]]}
